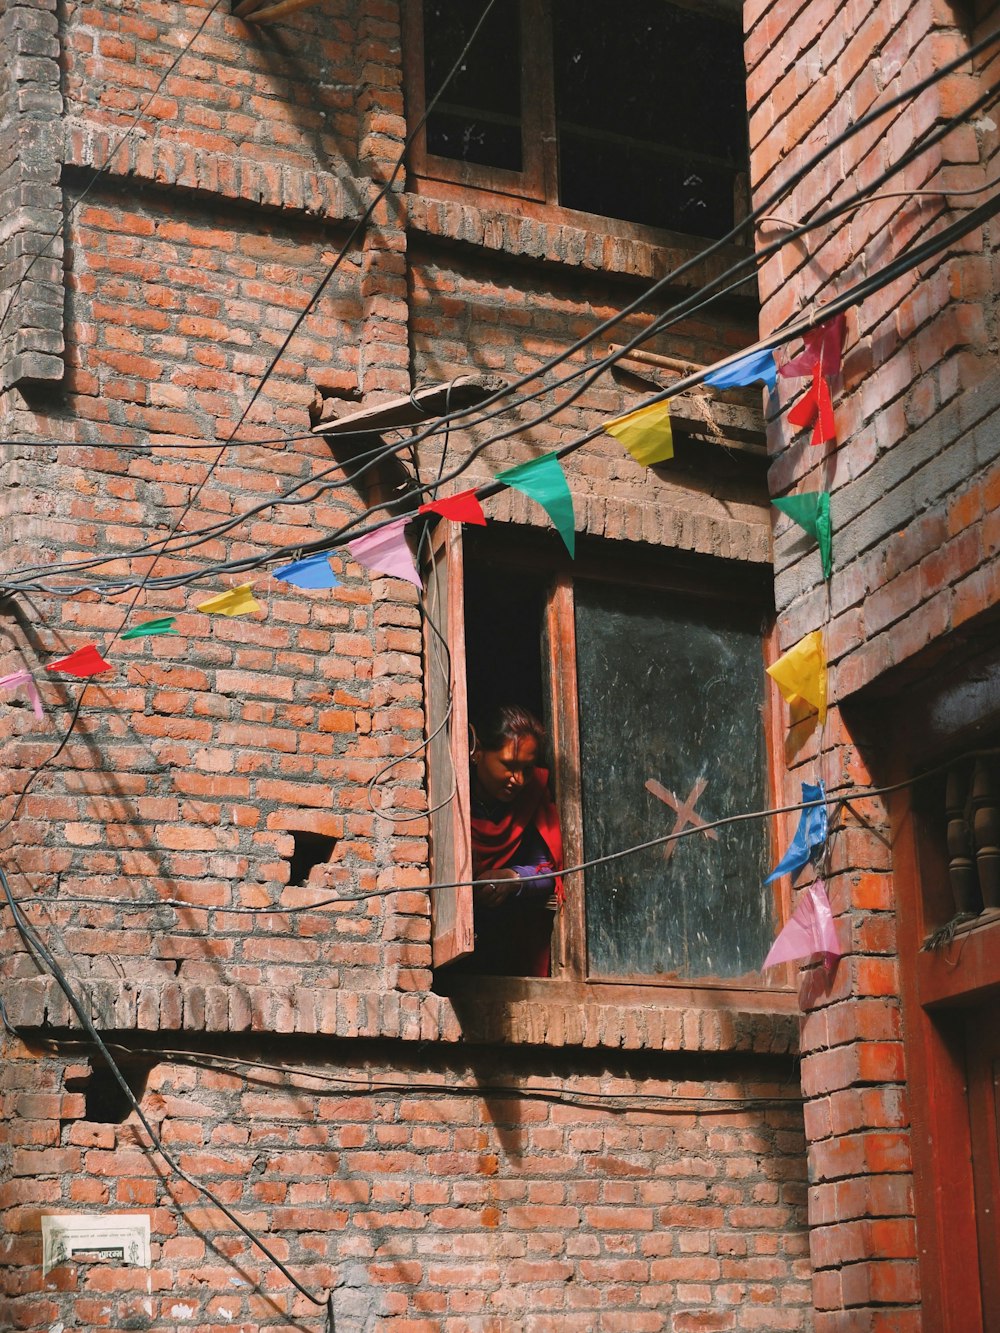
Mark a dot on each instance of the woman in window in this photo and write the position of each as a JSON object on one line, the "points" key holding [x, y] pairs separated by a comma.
{"points": [[515, 837]]}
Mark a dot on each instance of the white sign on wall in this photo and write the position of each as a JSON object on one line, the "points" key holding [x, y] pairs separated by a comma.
{"points": [[116, 1236]]}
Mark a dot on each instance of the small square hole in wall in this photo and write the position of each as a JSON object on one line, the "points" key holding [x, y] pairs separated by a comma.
{"points": [[105, 1100], [309, 850]]}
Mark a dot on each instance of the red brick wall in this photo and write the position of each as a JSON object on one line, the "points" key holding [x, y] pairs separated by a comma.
{"points": [[218, 744], [913, 480], [425, 1211], [192, 767]]}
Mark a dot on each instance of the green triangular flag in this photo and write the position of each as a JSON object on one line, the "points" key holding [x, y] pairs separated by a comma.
{"points": [[811, 511], [545, 482], [150, 627]]}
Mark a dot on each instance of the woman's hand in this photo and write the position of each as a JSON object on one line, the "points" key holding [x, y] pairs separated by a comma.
{"points": [[501, 885]]}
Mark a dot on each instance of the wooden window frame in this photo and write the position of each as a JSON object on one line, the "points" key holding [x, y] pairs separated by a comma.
{"points": [[942, 991], [448, 768], [537, 178], [537, 183]]}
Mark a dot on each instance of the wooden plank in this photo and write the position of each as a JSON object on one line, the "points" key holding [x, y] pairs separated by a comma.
{"points": [[270, 13], [965, 971], [422, 404], [672, 363], [448, 748], [694, 412], [569, 939]]}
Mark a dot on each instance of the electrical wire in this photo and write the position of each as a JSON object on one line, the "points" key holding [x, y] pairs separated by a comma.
{"points": [[874, 114], [18, 580], [614, 1102], [46, 962], [840, 798]]}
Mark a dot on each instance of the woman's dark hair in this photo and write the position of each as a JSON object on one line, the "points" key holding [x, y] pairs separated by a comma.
{"points": [[506, 723]]}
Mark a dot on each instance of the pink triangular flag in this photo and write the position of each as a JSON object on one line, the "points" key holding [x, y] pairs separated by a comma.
{"points": [[823, 346], [385, 551], [808, 930], [25, 678], [86, 661], [461, 508]]}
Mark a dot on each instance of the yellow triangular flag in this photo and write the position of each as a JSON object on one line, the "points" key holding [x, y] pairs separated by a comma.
{"points": [[801, 673], [645, 433], [237, 602]]}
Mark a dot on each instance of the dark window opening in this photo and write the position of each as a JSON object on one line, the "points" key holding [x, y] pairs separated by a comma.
{"points": [[637, 114], [503, 632], [650, 113], [105, 1101], [308, 851], [479, 117], [503, 644]]}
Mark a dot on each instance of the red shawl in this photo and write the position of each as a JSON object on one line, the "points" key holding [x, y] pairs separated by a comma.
{"points": [[495, 841]]}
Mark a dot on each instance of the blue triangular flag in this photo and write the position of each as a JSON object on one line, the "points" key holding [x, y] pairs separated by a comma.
{"points": [[758, 365], [312, 572], [810, 836]]}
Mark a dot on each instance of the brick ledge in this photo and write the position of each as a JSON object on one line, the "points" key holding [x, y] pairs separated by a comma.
{"points": [[173, 1006], [265, 184], [500, 227]]}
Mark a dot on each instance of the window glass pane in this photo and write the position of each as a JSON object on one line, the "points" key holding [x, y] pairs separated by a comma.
{"points": [[672, 689], [650, 112], [479, 117]]}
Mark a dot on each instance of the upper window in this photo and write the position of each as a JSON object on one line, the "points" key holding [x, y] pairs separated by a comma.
{"points": [[637, 114], [653, 690]]}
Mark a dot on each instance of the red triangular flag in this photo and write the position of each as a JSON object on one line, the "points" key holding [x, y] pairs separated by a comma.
{"points": [[86, 661], [461, 508], [815, 408], [823, 347]]}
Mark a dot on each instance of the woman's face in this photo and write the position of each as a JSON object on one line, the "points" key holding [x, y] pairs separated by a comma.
{"points": [[502, 773]]}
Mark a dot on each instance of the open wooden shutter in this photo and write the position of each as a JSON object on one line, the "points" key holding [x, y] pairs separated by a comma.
{"points": [[448, 746], [569, 939]]}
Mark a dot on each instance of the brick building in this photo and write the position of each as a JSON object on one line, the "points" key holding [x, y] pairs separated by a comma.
{"points": [[211, 259]]}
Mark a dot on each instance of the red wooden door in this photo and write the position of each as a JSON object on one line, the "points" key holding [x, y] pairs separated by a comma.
{"points": [[983, 1064]]}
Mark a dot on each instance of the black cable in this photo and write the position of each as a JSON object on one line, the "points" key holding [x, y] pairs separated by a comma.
{"points": [[838, 798], [105, 167], [112, 587], [690, 305], [615, 1102], [910, 257], [853, 129], [46, 962]]}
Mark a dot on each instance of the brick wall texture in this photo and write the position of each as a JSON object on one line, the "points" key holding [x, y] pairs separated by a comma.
{"points": [[519, 1164], [523, 1163], [913, 484]]}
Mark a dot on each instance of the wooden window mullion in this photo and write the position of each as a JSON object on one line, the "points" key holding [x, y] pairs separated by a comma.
{"points": [[569, 953], [452, 932]]}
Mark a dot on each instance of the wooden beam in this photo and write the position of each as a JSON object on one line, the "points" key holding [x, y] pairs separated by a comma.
{"points": [[655, 359], [252, 11], [433, 401]]}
